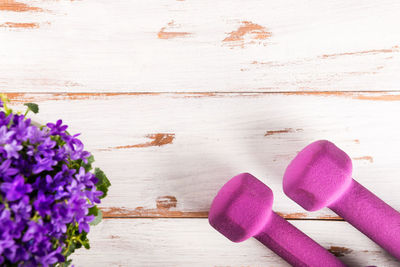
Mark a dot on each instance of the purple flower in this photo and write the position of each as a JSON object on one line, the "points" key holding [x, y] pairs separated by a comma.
{"points": [[85, 178], [44, 162], [12, 149], [61, 216], [78, 205], [8, 249], [43, 203], [52, 258], [74, 148], [45, 191], [4, 119], [4, 244], [6, 223], [6, 171], [22, 254], [16, 189], [35, 230], [7, 243], [22, 209], [84, 223], [20, 127], [5, 134], [93, 195], [57, 128], [35, 135]]}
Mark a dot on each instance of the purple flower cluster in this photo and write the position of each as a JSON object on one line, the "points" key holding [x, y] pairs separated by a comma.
{"points": [[46, 191]]}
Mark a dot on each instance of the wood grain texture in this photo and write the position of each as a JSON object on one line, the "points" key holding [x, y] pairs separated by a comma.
{"points": [[175, 97], [198, 46], [193, 242], [168, 154]]}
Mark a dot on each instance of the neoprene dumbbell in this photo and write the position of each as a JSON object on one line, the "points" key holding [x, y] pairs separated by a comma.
{"points": [[321, 176], [243, 209]]}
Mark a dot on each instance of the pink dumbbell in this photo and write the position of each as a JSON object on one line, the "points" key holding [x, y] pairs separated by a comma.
{"points": [[320, 176], [243, 209]]}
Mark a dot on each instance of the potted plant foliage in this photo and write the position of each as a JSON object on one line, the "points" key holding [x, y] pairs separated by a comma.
{"points": [[49, 191]]}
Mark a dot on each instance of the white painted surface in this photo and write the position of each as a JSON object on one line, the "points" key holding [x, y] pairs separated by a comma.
{"points": [[217, 137], [193, 242], [98, 45], [190, 46]]}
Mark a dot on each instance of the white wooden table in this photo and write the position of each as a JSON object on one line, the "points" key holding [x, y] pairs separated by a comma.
{"points": [[175, 97]]}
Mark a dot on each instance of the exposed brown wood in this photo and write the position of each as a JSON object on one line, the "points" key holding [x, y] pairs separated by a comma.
{"points": [[158, 139], [198, 95], [377, 97], [27, 97], [167, 33], [286, 130], [166, 202], [255, 31], [339, 251], [330, 218], [12, 5], [367, 158], [373, 51], [372, 96], [297, 215], [140, 212], [164, 212], [30, 25], [21, 97]]}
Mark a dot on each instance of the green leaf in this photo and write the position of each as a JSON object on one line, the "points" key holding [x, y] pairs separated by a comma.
{"points": [[97, 219], [103, 184], [83, 236], [93, 211], [5, 100], [32, 107], [64, 264], [88, 166], [58, 139], [70, 250], [86, 244]]}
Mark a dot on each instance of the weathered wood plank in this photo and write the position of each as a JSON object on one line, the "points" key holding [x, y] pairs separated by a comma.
{"points": [[168, 154], [192, 242], [169, 46]]}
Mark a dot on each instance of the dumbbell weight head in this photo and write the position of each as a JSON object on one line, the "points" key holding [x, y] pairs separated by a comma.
{"points": [[241, 208], [318, 175]]}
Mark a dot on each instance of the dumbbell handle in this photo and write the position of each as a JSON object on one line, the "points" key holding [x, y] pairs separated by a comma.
{"points": [[293, 245], [370, 215]]}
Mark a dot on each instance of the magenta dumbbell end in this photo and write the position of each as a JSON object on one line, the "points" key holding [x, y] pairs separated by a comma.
{"points": [[302, 179], [243, 209], [321, 176]]}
